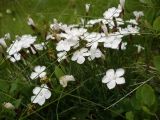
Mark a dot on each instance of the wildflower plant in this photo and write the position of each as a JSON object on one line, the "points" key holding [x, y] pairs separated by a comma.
{"points": [[91, 68]]}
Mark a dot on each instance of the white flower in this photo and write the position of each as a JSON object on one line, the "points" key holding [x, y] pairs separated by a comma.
{"points": [[79, 55], [15, 57], [27, 40], [104, 28], [94, 53], [61, 56], [112, 12], [133, 30], [73, 32], [7, 36], [122, 3], [139, 48], [55, 25], [15, 47], [95, 21], [72, 37], [138, 14], [50, 36], [21, 42], [38, 72], [132, 21], [40, 46], [40, 94], [65, 45], [114, 77], [30, 22], [113, 41], [65, 79], [82, 22], [123, 45], [93, 39], [87, 6], [2, 42], [8, 105], [37, 47]]}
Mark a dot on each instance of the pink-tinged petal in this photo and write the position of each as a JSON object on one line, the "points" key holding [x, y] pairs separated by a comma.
{"points": [[120, 80], [110, 73], [34, 75], [120, 72], [111, 84], [105, 79], [81, 60]]}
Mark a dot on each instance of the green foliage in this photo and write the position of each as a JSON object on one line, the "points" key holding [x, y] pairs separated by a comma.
{"points": [[156, 24], [129, 116], [59, 71], [145, 95], [156, 62]]}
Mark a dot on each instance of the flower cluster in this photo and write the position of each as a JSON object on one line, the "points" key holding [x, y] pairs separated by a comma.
{"points": [[23, 42], [40, 93], [77, 42], [22, 45], [84, 42]]}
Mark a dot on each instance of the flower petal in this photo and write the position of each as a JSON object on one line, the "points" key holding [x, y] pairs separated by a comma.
{"points": [[47, 94], [34, 75], [105, 79], [74, 57], [35, 99], [36, 90], [43, 68], [80, 60], [41, 101], [120, 72], [37, 68], [110, 73], [116, 43], [120, 80], [111, 84], [63, 83], [43, 74]]}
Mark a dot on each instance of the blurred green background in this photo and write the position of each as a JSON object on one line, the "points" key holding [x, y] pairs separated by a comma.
{"points": [[14, 13]]}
